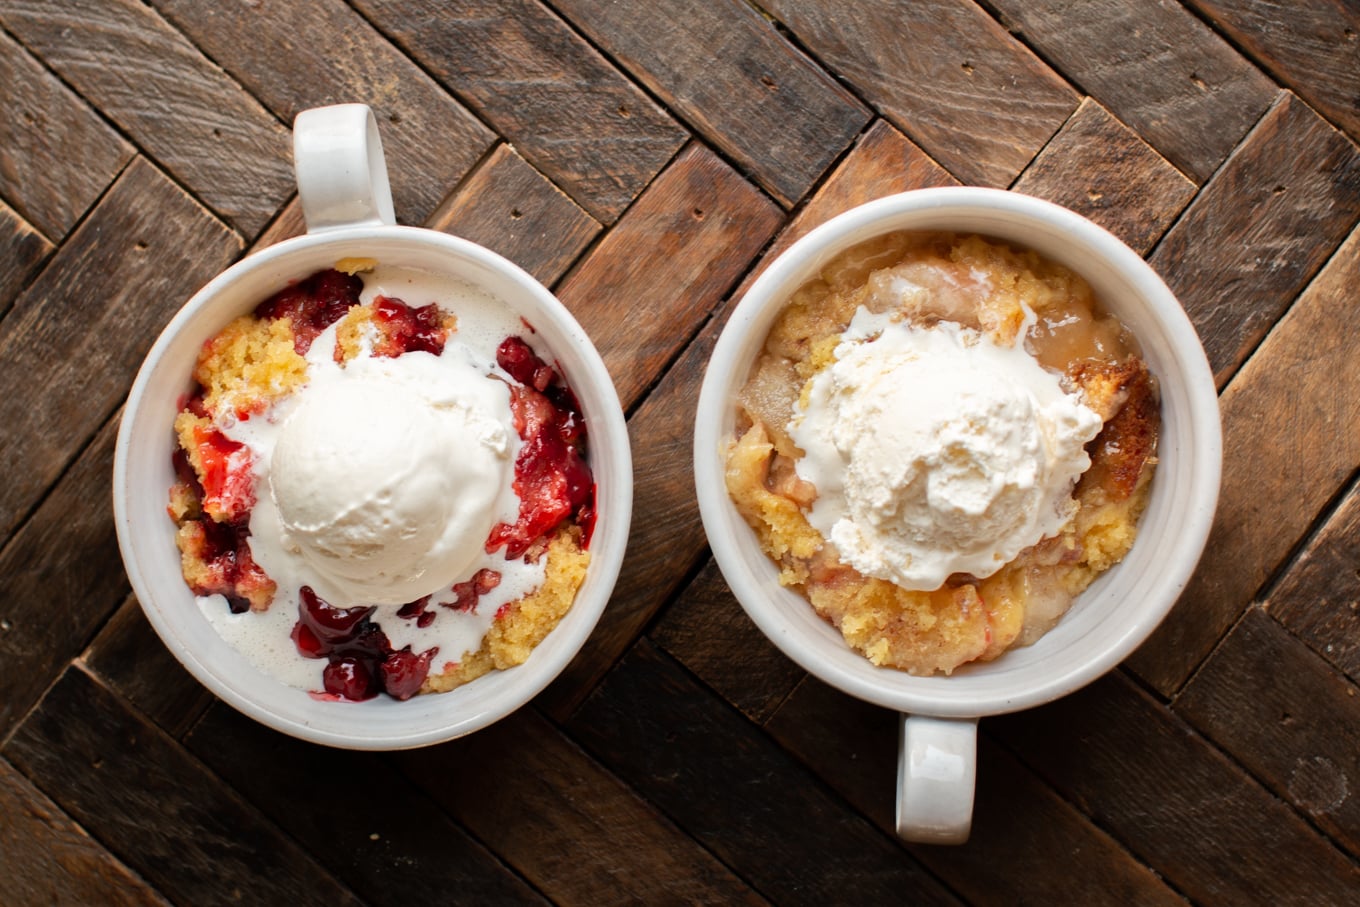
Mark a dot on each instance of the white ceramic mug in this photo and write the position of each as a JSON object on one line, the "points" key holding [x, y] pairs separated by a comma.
{"points": [[346, 200], [938, 758]]}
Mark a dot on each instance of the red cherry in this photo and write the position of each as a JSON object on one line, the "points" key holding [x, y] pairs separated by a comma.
{"points": [[350, 678]]}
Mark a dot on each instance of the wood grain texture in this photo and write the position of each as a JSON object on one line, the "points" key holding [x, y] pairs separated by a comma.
{"points": [[43, 119], [63, 577], [156, 86], [1313, 46], [22, 250], [48, 859], [1019, 824], [971, 95], [511, 208], [882, 162], [293, 56], [708, 632], [1260, 229], [1318, 599], [286, 225], [579, 834], [128, 657], [1155, 66], [1097, 167], [646, 287], [149, 802], [74, 339], [364, 822], [716, 775], [1302, 738], [1183, 808], [665, 519], [726, 70], [556, 98], [1286, 453]]}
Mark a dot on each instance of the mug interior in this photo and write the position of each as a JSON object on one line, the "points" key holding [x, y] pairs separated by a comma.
{"points": [[143, 476], [1124, 605]]}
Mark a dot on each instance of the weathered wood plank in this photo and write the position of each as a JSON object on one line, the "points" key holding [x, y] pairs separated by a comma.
{"points": [[726, 70], [286, 225], [570, 827], [882, 162], [74, 339], [511, 208], [1178, 803], [22, 250], [1019, 824], [155, 807], [1312, 46], [1301, 737], [652, 280], [1156, 67], [729, 786], [708, 632], [48, 859], [180, 108], [429, 140], [1097, 167], [43, 121], [1288, 448], [1260, 229], [556, 98], [367, 825], [129, 658], [945, 73], [63, 576], [1318, 599]]}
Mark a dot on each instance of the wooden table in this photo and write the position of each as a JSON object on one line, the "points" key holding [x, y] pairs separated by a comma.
{"points": [[645, 160]]}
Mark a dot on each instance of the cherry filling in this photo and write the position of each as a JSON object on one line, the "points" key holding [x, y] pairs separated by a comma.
{"points": [[227, 484], [313, 304], [465, 595], [417, 611], [407, 329], [552, 479], [361, 660]]}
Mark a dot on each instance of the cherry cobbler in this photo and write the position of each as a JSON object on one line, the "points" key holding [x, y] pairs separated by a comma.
{"points": [[377, 496]]}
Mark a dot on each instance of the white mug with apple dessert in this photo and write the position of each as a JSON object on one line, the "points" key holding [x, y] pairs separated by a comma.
{"points": [[397, 470], [957, 453]]}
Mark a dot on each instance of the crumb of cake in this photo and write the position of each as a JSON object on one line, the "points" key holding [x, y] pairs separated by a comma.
{"points": [[250, 364], [356, 265]]}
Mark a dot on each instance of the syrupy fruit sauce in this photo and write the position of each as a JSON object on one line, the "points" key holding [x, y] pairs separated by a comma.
{"points": [[552, 479], [362, 662], [405, 329]]}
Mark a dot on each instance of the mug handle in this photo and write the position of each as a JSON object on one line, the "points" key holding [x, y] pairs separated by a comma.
{"points": [[936, 772], [341, 173]]}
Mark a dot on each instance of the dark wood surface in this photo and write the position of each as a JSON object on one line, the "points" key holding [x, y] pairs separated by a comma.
{"points": [[646, 161]]}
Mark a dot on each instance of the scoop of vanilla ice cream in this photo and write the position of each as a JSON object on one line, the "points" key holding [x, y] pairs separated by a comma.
{"points": [[386, 475], [937, 451]]}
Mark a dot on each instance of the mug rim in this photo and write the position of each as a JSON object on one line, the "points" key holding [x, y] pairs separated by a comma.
{"points": [[783, 614], [139, 540]]}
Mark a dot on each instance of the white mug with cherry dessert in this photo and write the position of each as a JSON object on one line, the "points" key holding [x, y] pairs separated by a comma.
{"points": [[957, 453], [396, 472]]}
